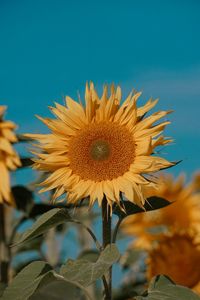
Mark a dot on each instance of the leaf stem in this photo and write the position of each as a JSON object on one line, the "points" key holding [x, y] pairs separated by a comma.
{"points": [[116, 230], [106, 233], [89, 230]]}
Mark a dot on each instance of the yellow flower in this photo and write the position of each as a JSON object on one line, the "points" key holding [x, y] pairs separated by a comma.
{"points": [[101, 148], [182, 214], [196, 182], [176, 256], [9, 159]]}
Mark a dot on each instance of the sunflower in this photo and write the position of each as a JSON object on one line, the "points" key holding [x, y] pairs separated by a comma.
{"points": [[181, 266], [101, 148], [182, 214], [197, 181], [9, 159]]}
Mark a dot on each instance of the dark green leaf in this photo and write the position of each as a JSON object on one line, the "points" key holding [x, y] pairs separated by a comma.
{"points": [[22, 285], [21, 264], [52, 288], [159, 281], [151, 203], [48, 220], [22, 138], [162, 288], [23, 197], [34, 244], [85, 272], [39, 209], [26, 162], [2, 288], [90, 255]]}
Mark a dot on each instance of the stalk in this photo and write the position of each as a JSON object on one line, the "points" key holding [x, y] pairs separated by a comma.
{"points": [[106, 232], [3, 248]]}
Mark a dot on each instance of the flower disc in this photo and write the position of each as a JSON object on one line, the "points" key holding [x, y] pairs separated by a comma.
{"points": [[102, 151]]}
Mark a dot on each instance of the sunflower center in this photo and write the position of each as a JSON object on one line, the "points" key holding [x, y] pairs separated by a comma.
{"points": [[101, 151]]}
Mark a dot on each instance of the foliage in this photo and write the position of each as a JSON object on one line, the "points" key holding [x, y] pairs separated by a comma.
{"points": [[78, 278]]}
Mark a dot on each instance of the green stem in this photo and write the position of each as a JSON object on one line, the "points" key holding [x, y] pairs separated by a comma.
{"points": [[3, 248], [90, 232], [106, 232]]}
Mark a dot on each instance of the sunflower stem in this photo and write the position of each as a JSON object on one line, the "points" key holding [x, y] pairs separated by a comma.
{"points": [[106, 232], [3, 248]]}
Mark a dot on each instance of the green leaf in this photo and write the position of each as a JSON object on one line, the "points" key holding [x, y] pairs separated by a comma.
{"points": [[2, 288], [151, 203], [33, 244], [22, 285], [23, 197], [86, 272], [52, 288], [26, 162], [162, 288], [159, 281], [48, 220], [90, 255], [37, 280]]}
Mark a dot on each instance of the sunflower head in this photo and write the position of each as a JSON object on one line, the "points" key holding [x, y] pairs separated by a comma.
{"points": [[176, 256], [183, 213], [9, 159], [101, 148], [197, 182]]}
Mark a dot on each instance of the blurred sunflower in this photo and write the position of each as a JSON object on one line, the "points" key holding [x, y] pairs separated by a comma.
{"points": [[149, 227], [9, 160], [101, 148], [196, 182], [177, 256]]}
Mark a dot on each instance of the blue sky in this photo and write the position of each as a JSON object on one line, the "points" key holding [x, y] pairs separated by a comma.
{"points": [[51, 48]]}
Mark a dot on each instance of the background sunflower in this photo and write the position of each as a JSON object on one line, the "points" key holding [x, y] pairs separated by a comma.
{"points": [[9, 159]]}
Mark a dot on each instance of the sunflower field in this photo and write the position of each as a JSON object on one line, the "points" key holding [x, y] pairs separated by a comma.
{"points": [[99, 150], [99, 166]]}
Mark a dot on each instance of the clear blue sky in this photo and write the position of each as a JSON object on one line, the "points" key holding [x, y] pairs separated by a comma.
{"points": [[50, 48]]}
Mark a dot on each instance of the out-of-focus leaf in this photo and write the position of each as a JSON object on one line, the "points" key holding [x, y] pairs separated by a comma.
{"points": [[22, 285], [162, 288], [48, 220], [61, 228], [22, 138], [125, 292], [39, 209], [25, 162], [151, 203], [90, 255], [2, 288], [23, 197], [130, 257], [85, 272]]}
